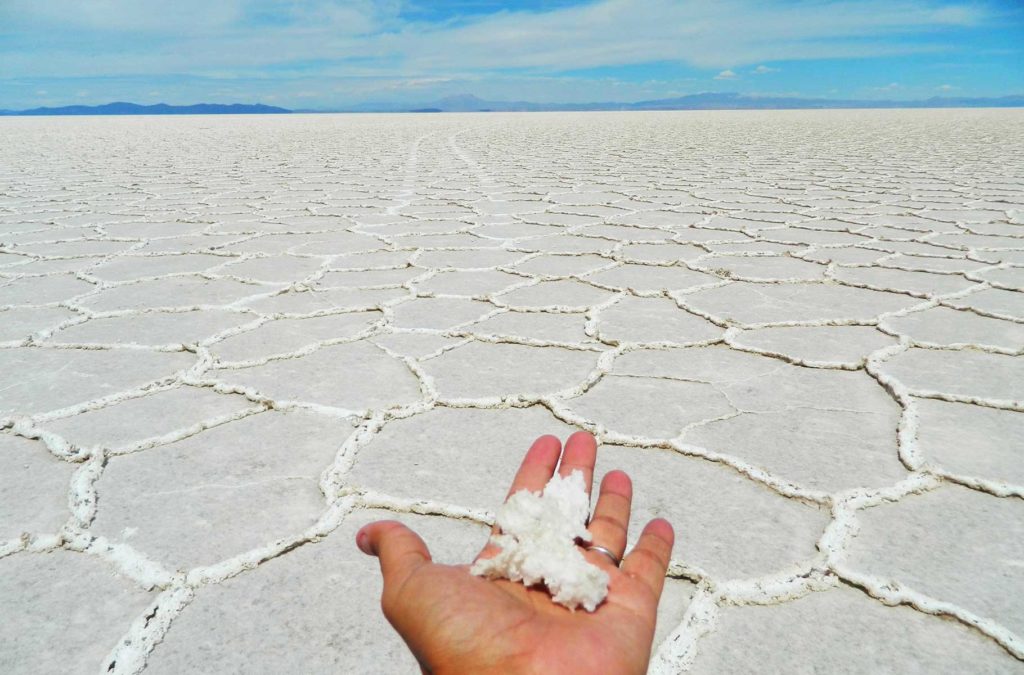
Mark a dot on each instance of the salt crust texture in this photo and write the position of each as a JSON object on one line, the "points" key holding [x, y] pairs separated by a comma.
{"points": [[227, 343], [538, 543]]}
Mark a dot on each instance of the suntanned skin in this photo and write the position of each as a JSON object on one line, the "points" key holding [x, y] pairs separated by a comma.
{"points": [[454, 622]]}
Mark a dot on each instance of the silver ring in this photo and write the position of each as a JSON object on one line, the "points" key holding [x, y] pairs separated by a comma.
{"points": [[607, 552]]}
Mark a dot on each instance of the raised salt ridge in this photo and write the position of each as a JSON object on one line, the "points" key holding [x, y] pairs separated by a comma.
{"points": [[228, 343], [538, 544]]}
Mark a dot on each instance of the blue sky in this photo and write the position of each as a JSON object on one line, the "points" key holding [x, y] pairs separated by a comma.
{"points": [[333, 53]]}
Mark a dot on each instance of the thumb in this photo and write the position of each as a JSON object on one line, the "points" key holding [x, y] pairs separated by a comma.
{"points": [[399, 549]]}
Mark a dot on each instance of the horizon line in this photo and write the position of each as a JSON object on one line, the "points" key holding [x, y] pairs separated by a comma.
{"points": [[466, 103]]}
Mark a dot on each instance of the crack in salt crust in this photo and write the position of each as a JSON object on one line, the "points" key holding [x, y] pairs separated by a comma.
{"points": [[830, 232]]}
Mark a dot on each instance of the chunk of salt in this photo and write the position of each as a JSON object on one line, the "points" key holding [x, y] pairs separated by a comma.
{"points": [[538, 544]]}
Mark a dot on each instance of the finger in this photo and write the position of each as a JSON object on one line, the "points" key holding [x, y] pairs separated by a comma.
{"points": [[399, 549], [610, 523], [649, 559], [538, 465], [580, 454], [534, 473]]}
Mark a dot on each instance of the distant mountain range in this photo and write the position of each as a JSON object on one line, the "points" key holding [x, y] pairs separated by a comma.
{"points": [[705, 101], [470, 103], [121, 108]]}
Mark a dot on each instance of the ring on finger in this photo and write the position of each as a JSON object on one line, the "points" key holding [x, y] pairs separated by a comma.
{"points": [[608, 552]]}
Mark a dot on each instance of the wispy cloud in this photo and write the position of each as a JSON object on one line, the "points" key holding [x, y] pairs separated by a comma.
{"points": [[248, 35], [366, 48]]}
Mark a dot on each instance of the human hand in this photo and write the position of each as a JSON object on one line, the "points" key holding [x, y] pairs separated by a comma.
{"points": [[454, 622]]}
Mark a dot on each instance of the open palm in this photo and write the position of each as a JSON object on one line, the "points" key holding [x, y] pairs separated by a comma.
{"points": [[458, 623]]}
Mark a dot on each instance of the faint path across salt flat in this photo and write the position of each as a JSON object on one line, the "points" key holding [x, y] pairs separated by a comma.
{"points": [[228, 342]]}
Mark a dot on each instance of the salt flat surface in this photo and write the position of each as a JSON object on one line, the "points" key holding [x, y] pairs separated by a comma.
{"points": [[228, 342]]}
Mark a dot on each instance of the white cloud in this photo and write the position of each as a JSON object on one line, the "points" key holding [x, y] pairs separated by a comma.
{"points": [[367, 37], [617, 32], [112, 16], [357, 50], [946, 87], [189, 18]]}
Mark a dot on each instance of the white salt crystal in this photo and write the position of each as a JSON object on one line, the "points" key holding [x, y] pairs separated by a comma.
{"points": [[537, 540]]}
